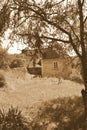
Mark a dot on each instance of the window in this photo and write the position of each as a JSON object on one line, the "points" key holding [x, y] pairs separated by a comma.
{"points": [[55, 65]]}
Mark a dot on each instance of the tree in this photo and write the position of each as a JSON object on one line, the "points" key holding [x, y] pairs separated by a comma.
{"points": [[4, 17], [64, 22], [4, 23]]}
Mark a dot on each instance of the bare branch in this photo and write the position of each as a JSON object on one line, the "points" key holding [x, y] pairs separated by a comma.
{"points": [[58, 3], [16, 2], [41, 10], [43, 17], [61, 1], [81, 26], [73, 30], [85, 19], [57, 26], [82, 2], [26, 19], [55, 39], [74, 47]]}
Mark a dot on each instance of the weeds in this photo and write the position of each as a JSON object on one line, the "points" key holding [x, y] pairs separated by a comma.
{"points": [[61, 114], [12, 120], [77, 80], [2, 80], [16, 63]]}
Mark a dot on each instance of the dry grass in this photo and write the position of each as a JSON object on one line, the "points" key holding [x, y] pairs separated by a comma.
{"points": [[26, 92]]}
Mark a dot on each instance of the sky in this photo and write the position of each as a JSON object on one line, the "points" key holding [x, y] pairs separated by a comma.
{"points": [[14, 48]]}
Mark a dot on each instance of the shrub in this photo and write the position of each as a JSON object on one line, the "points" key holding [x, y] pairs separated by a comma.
{"points": [[16, 63], [60, 114], [12, 120], [77, 80], [2, 80], [3, 60]]}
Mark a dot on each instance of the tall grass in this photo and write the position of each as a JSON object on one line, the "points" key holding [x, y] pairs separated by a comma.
{"points": [[12, 120], [58, 114]]}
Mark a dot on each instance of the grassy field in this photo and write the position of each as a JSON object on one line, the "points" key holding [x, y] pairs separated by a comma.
{"points": [[26, 91], [49, 102]]}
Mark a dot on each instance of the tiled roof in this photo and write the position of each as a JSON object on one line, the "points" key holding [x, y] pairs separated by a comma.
{"points": [[49, 53]]}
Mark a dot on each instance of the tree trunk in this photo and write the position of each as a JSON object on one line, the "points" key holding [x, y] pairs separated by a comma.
{"points": [[84, 95], [84, 91]]}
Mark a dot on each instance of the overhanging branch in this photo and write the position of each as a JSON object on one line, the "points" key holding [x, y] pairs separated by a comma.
{"points": [[82, 2], [85, 19], [39, 12], [74, 47], [55, 39], [73, 30], [44, 18], [80, 6]]}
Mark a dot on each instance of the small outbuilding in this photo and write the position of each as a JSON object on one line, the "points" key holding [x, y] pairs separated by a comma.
{"points": [[52, 63], [49, 64]]}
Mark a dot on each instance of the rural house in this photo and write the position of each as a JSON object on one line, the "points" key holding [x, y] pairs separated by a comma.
{"points": [[51, 64]]}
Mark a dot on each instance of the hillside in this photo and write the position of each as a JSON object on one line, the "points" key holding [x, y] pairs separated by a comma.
{"points": [[26, 91]]}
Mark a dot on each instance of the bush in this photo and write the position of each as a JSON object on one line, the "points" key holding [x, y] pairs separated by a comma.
{"points": [[12, 120], [77, 80], [16, 63], [2, 80], [60, 114], [3, 61]]}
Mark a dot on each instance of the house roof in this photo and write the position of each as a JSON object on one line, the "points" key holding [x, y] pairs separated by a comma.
{"points": [[49, 53]]}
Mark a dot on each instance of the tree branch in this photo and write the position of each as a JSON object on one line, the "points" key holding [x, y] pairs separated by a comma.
{"points": [[57, 26], [74, 47], [73, 30], [85, 19], [48, 21], [55, 39], [81, 26], [43, 17], [26, 19], [82, 2]]}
